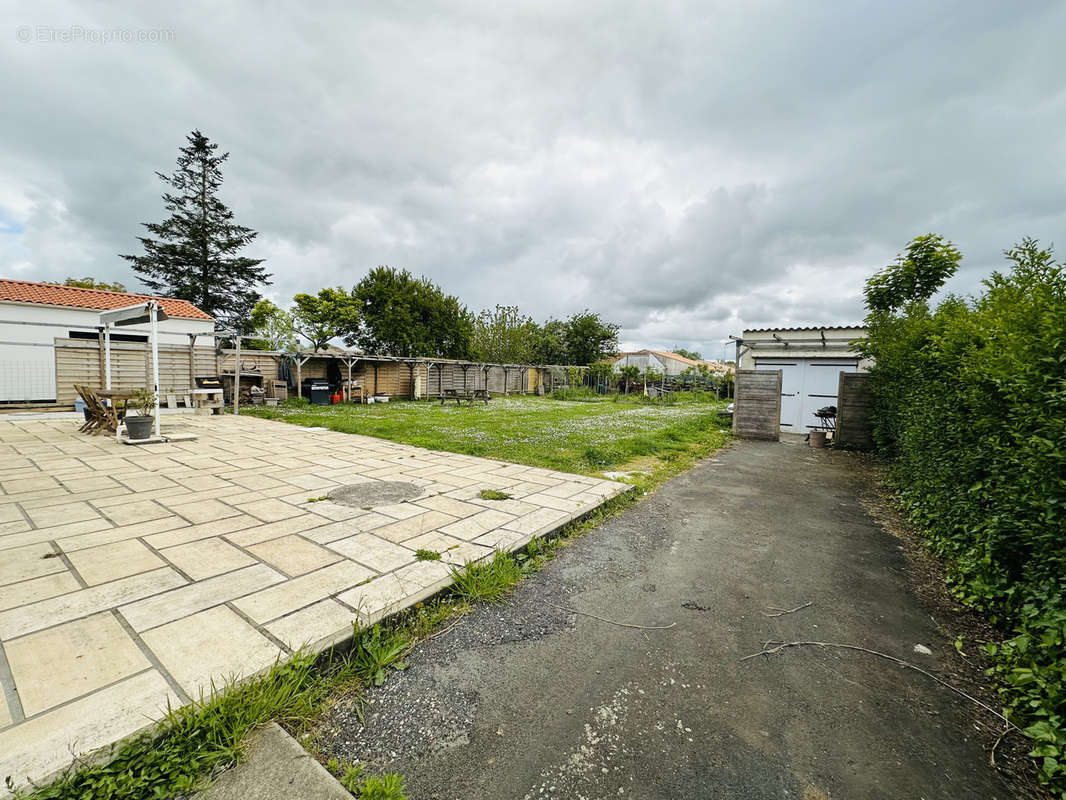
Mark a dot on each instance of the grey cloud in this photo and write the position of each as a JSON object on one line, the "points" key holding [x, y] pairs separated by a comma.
{"points": [[685, 168]]}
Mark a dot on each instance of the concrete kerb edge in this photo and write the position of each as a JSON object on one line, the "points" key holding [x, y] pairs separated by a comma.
{"points": [[341, 642]]}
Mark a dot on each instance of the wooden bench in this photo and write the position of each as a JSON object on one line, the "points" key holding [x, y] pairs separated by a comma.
{"points": [[470, 396]]}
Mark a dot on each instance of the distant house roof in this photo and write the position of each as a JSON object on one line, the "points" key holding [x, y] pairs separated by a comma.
{"points": [[51, 294], [683, 359], [674, 356]]}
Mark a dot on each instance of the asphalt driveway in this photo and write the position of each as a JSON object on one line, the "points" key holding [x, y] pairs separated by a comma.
{"points": [[528, 700]]}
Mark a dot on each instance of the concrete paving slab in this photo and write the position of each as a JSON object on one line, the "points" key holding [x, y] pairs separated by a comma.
{"points": [[46, 744], [32, 561], [76, 658], [316, 626], [211, 562], [207, 557], [210, 649], [35, 589], [294, 555], [277, 768], [110, 562]]}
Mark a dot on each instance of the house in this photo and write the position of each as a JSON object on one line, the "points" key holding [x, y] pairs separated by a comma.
{"points": [[810, 359], [51, 338], [670, 364]]}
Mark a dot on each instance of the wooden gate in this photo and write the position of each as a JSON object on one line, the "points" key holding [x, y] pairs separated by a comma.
{"points": [[853, 412], [757, 405]]}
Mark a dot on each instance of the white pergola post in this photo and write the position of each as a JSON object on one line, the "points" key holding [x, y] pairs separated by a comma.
{"points": [[150, 312], [153, 314], [237, 377], [107, 356]]}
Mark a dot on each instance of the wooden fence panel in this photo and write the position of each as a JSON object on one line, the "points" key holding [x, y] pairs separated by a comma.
{"points": [[854, 398], [81, 361], [76, 362], [757, 410]]}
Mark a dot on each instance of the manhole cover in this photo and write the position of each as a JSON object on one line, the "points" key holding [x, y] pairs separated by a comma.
{"points": [[362, 495]]}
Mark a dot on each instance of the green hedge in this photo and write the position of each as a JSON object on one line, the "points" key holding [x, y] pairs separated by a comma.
{"points": [[970, 404]]}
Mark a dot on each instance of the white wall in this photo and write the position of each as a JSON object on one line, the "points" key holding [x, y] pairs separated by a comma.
{"points": [[646, 361], [801, 344], [27, 344], [671, 366], [641, 362]]}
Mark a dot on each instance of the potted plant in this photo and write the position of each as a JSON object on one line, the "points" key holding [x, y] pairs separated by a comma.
{"points": [[143, 402]]}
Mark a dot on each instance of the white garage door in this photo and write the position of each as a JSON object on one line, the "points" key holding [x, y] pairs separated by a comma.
{"points": [[807, 384]]}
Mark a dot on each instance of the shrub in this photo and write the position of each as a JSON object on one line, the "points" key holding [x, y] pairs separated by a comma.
{"points": [[970, 404]]}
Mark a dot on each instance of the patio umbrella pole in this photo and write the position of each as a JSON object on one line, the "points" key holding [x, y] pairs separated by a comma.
{"points": [[153, 312]]}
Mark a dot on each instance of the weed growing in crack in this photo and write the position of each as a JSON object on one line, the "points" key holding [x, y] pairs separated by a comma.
{"points": [[376, 650], [487, 582], [353, 777]]}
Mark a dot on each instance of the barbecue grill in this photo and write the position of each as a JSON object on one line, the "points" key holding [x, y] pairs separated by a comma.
{"points": [[827, 416], [317, 392], [208, 383]]}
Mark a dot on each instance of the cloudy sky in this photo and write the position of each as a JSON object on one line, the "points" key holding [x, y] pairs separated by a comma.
{"points": [[688, 169]]}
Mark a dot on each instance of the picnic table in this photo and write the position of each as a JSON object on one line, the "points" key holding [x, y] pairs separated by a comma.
{"points": [[459, 395], [107, 408]]}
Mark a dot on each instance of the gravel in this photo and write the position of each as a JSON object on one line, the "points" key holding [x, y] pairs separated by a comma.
{"points": [[419, 711]]}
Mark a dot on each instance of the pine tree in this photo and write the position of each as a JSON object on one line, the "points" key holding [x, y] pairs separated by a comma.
{"points": [[193, 255]]}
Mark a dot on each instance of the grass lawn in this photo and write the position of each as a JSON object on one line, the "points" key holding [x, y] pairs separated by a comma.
{"points": [[658, 438]]}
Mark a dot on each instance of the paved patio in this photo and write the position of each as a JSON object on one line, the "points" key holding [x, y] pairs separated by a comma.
{"points": [[134, 576]]}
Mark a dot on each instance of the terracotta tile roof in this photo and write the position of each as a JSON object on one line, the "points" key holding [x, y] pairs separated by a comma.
{"points": [[93, 299]]}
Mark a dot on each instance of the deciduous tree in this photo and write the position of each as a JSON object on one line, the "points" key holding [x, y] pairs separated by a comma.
{"points": [[330, 314], [550, 343], [92, 283], [929, 261], [505, 336], [272, 327], [406, 316], [588, 338]]}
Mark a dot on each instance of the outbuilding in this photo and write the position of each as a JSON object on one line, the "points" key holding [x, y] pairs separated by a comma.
{"points": [[810, 359], [51, 338], [669, 364]]}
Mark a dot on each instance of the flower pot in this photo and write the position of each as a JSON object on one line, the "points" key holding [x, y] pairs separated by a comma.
{"points": [[817, 439], [139, 427]]}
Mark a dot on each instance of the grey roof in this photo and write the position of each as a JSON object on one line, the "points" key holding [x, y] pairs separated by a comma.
{"points": [[807, 328]]}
